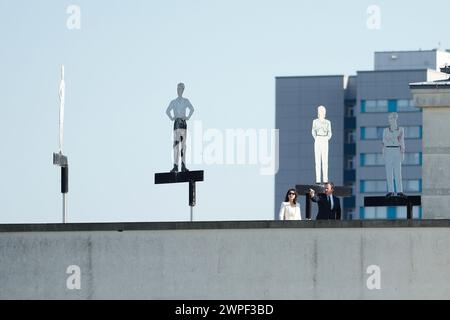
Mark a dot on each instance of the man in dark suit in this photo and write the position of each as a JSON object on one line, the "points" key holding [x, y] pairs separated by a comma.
{"points": [[329, 204]]}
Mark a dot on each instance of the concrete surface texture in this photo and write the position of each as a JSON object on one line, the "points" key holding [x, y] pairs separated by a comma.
{"points": [[435, 103], [286, 260]]}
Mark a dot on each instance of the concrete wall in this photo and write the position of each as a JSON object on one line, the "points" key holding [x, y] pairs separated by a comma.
{"points": [[434, 98], [228, 260], [436, 161]]}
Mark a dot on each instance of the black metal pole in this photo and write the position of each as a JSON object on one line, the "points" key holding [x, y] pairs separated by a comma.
{"points": [[409, 210], [64, 189], [308, 206], [64, 179], [192, 193]]}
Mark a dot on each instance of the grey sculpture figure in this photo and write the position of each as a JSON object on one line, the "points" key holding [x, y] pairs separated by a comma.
{"points": [[321, 132], [394, 154], [176, 111]]}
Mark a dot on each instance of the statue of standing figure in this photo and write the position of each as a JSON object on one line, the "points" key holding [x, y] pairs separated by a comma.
{"points": [[321, 132], [394, 154], [178, 107]]}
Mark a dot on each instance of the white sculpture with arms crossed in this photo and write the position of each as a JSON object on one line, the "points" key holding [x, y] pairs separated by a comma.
{"points": [[321, 132]]}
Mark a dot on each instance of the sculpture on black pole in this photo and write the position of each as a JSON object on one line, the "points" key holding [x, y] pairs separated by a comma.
{"points": [[393, 151], [176, 111]]}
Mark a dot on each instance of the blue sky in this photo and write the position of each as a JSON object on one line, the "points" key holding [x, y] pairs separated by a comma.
{"points": [[122, 68]]}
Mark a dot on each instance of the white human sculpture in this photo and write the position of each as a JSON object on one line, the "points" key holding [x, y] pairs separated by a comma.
{"points": [[394, 154], [62, 93], [321, 132], [179, 106]]}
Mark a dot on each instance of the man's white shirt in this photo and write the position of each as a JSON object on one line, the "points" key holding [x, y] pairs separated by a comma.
{"points": [[179, 107], [330, 199]]}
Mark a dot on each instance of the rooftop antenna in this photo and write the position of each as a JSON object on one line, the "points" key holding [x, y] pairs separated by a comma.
{"points": [[59, 158]]}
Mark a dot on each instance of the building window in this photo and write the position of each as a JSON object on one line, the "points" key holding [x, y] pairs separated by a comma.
{"points": [[412, 185], [376, 133], [413, 132], [350, 214], [373, 212], [350, 111], [380, 186], [373, 186], [401, 105], [350, 163], [371, 133], [413, 159], [377, 159], [351, 185], [405, 105], [402, 214], [350, 136], [371, 159], [374, 106], [388, 212]]}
